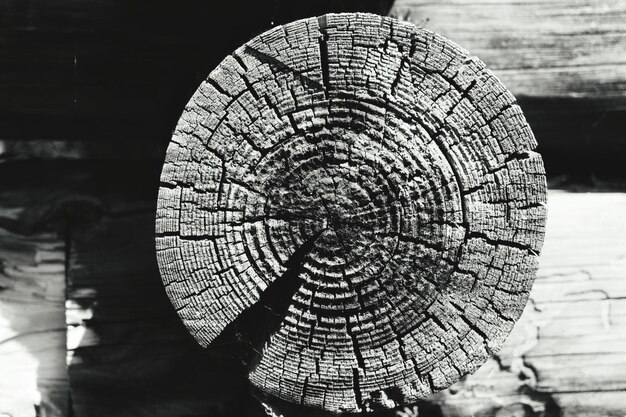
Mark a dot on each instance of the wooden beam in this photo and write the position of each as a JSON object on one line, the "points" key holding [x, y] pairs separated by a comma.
{"points": [[544, 48]]}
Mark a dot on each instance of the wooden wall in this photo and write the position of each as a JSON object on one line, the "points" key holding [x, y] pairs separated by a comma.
{"points": [[89, 94]]}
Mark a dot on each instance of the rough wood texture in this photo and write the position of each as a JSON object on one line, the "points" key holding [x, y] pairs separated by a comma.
{"points": [[33, 376], [567, 354], [537, 48], [370, 184], [108, 79]]}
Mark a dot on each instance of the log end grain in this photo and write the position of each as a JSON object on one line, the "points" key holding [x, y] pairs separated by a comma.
{"points": [[374, 188]]}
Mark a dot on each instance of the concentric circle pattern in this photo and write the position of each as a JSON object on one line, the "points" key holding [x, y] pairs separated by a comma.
{"points": [[383, 169]]}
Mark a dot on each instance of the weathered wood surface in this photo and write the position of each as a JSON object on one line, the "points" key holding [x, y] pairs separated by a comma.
{"points": [[540, 48], [371, 185], [565, 61], [33, 375], [109, 55]]}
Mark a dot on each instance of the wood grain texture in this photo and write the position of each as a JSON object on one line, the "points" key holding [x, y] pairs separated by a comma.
{"points": [[538, 48], [565, 62], [112, 77], [33, 376], [566, 355], [370, 184]]}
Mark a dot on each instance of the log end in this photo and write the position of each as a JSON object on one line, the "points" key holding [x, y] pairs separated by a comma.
{"points": [[366, 195]]}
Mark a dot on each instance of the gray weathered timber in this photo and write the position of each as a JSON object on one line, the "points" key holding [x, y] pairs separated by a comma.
{"points": [[370, 183], [542, 48]]}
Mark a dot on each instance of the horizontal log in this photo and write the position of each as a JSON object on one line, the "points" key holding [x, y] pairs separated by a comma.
{"points": [[579, 292], [116, 72], [564, 355], [544, 48]]}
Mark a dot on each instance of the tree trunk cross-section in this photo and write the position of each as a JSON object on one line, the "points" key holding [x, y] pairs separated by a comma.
{"points": [[375, 187]]}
